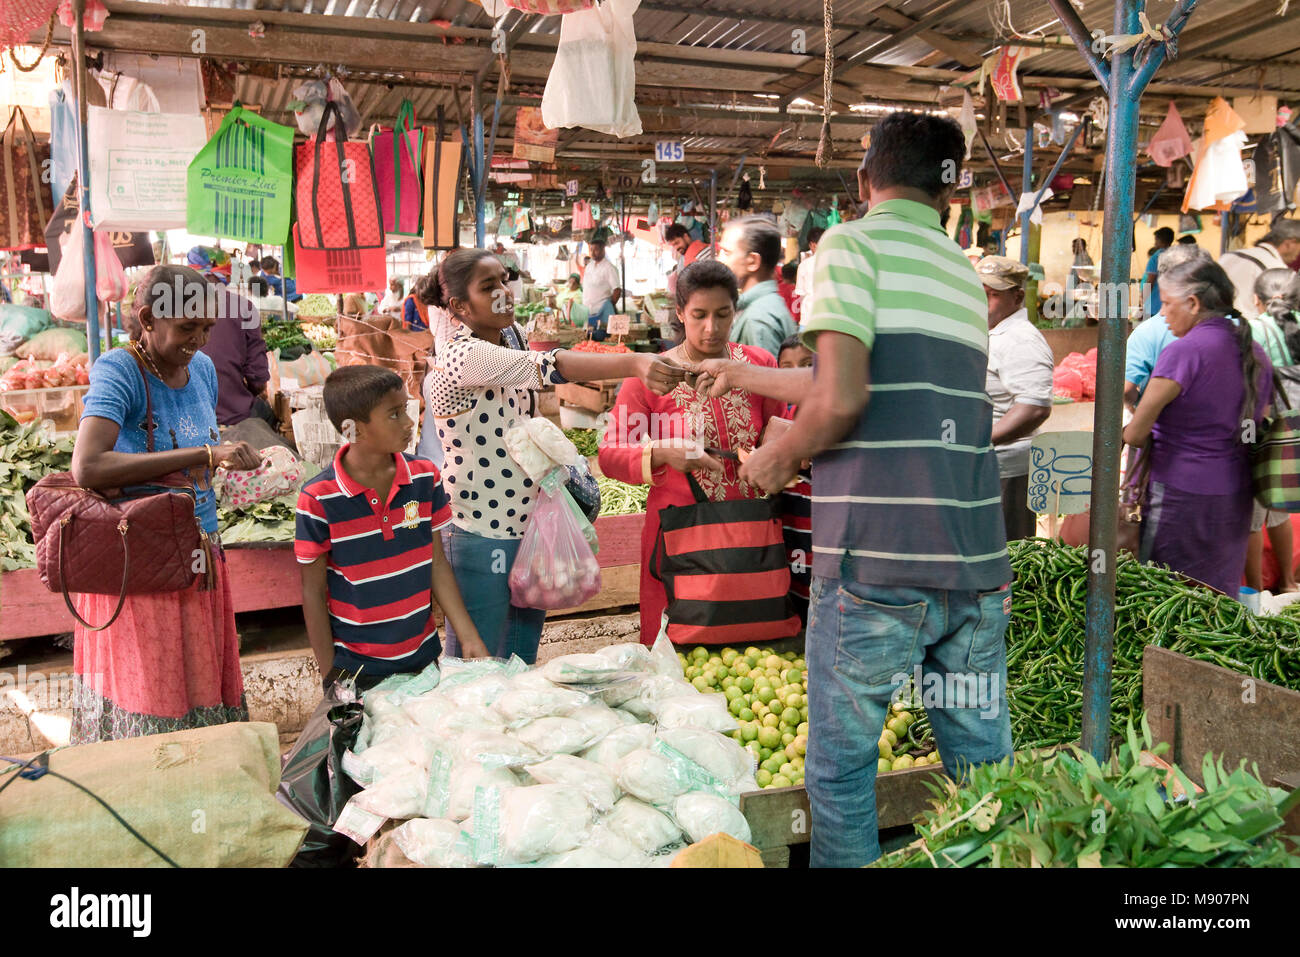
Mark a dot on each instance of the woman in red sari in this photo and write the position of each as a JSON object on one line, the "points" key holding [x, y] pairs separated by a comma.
{"points": [[656, 440]]}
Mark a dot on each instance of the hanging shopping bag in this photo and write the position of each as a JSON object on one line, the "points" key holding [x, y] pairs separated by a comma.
{"points": [[337, 270], [1275, 458], [240, 186], [698, 555], [138, 163], [68, 293], [582, 216], [133, 249], [442, 177], [397, 154], [63, 138], [555, 566], [597, 51], [338, 203], [110, 278], [25, 198]]}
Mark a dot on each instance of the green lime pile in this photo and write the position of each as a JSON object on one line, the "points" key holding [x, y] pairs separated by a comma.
{"points": [[767, 693]]}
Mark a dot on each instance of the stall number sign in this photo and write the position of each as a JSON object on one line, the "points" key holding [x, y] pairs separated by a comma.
{"points": [[669, 151], [967, 180], [1060, 473], [619, 325], [571, 188]]}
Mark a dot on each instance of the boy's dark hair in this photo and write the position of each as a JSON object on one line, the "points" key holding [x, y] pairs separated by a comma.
{"points": [[789, 271], [1165, 233], [915, 150], [760, 236], [791, 342], [270, 263], [352, 392], [815, 234], [258, 285]]}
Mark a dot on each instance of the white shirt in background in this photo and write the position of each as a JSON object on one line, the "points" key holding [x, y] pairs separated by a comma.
{"points": [[803, 285], [599, 283], [1020, 371]]}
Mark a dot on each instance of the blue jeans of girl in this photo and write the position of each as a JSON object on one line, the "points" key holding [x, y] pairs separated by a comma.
{"points": [[482, 568]]}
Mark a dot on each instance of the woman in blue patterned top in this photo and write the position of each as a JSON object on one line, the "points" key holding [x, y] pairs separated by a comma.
{"points": [[171, 659]]}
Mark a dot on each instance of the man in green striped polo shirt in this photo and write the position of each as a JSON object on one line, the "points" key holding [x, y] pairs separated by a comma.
{"points": [[909, 551]]}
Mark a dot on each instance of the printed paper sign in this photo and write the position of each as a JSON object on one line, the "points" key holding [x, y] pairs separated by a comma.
{"points": [[619, 325], [1060, 473], [533, 141], [571, 188], [669, 151]]}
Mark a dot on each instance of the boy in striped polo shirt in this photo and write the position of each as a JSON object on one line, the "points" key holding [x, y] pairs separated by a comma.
{"points": [[910, 566], [368, 541]]}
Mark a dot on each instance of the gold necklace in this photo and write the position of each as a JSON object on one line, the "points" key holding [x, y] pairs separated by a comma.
{"points": [[143, 354]]}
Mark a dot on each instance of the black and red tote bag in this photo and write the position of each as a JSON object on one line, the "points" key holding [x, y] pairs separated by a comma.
{"points": [[724, 568], [337, 199]]}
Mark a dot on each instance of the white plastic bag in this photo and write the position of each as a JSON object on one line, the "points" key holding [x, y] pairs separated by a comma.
{"points": [[597, 51], [397, 795], [651, 777], [663, 655], [481, 692], [427, 710], [465, 719], [538, 446], [593, 780], [555, 735], [700, 814], [705, 711], [718, 754], [599, 719], [433, 843], [494, 749], [138, 167], [653, 691], [618, 744], [629, 656], [394, 755], [641, 825], [523, 824], [529, 704], [68, 295], [581, 669], [466, 778]]}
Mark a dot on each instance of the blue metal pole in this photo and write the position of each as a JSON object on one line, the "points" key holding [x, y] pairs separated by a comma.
{"points": [[79, 81], [480, 170], [1116, 255], [1026, 184]]}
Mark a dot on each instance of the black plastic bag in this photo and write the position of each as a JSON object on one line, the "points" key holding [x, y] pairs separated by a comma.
{"points": [[313, 785]]}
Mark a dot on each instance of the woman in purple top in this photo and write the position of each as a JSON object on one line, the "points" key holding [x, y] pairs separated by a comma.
{"points": [[1208, 391]]}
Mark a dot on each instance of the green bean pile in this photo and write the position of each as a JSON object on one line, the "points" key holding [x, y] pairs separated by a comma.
{"points": [[619, 498], [1045, 640]]}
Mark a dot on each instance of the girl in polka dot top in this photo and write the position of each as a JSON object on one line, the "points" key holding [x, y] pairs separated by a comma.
{"points": [[482, 383]]}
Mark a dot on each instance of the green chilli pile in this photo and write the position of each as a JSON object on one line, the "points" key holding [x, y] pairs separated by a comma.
{"points": [[1153, 606], [586, 441]]}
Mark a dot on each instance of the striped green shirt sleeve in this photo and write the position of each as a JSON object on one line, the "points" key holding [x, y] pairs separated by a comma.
{"points": [[845, 282]]}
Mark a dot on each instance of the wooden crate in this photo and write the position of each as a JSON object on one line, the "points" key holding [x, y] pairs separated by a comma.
{"points": [[1198, 708], [593, 396], [780, 817]]}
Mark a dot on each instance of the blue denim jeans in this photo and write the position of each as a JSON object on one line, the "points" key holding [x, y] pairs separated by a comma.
{"points": [[863, 641], [598, 319], [482, 567]]}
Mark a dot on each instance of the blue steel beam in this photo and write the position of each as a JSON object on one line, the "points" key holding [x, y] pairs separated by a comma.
{"points": [[79, 81]]}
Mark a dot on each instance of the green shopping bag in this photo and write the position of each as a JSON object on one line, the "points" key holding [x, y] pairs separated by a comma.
{"points": [[240, 186]]}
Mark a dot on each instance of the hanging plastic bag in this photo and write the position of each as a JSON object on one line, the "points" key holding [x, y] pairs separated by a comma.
{"points": [[110, 278], [597, 51], [555, 567], [68, 295], [312, 97]]}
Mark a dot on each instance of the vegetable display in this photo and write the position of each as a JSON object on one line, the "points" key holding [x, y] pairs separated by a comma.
{"points": [[1065, 810], [586, 441], [526, 310], [323, 337], [282, 335], [318, 304], [619, 498], [591, 345], [27, 454], [1045, 640], [271, 521]]}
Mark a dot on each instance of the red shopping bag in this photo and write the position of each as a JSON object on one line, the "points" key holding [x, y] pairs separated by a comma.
{"points": [[338, 270], [337, 199], [397, 155]]}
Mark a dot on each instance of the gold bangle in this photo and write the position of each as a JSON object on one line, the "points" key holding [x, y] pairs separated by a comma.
{"points": [[647, 468], [211, 466]]}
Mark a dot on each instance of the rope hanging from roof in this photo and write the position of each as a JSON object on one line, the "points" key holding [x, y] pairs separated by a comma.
{"points": [[828, 73], [49, 36]]}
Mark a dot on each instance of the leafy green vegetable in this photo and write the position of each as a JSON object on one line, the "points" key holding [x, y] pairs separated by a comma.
{"points": [[318, 304], [1065, 810], [270, 521], [27, 454], [281, 335]]}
